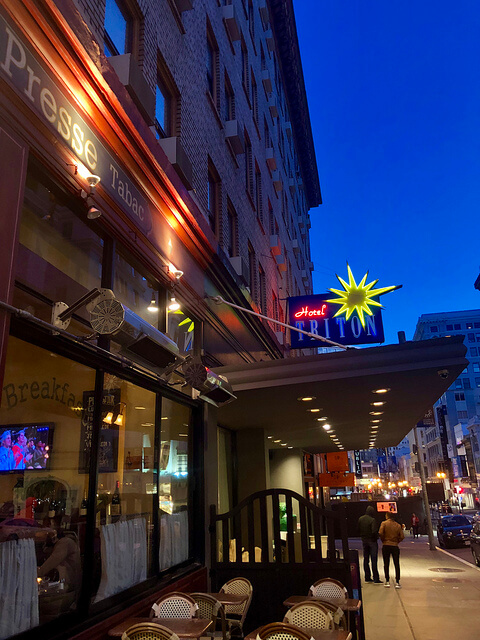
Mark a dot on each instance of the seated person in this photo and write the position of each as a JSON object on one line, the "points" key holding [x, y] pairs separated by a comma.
{"points": [[65, 558]]}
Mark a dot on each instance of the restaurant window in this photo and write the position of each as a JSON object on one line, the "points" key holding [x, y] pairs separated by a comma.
{"points": [[225, 443], [125, 487], [118, 32], [174, 495], [44, 436], [59, 256]]}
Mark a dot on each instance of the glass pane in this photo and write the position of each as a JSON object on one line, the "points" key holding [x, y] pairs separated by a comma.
{"points": [[116, 26], [43, 487], [181, 330], [174, 493], [126, 483], [58, 255], [133, 290], [161, 108]]}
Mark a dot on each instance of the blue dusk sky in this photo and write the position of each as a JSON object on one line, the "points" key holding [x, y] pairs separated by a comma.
{"points": [[393, 88]]}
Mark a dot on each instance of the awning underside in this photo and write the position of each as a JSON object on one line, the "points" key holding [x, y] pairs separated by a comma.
{"points": [[342, 383]]}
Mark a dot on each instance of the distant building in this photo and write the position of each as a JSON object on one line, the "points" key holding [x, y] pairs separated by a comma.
{"points": [[452, 444]]}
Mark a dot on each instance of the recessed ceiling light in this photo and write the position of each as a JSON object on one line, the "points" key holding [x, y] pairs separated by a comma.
{"points": [[377, 420], [164, 418], [269, 437], [314, 410], [307, 398], [332, 435], [138, 408], [376, 413], [326, 426], [147, 424], [183, 435], [322, 419], [378, 404], [290, 447], [277, 441], [284, 444], [384, 390]]}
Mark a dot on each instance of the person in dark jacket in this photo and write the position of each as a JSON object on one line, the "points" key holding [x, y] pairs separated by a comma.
{"points": [[368, 530]]}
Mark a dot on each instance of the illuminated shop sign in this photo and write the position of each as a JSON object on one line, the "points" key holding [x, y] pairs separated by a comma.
{"points": [[353, 317], [20, 69]]}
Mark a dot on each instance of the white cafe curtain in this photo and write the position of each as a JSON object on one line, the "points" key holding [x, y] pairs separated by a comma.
{"points": [[173, 539], [18, 587], [124, 556]]}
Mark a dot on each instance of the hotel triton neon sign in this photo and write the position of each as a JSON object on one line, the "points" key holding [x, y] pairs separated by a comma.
{"points": [[357, 321]]}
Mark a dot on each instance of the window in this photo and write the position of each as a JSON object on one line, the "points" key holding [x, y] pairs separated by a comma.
{"points": [[271, 219], [476, 325], [458, 384], [478, 337], [449, 327], [263, 62], [245, 68], [166, 97], [459, 397], [262, 290], [258, 193], [471, 337], [469, 325], [248, 166], [433, 329], [229, 100], [255, 99], [118, 33], [252, 269], [232, 236], [477, 383], [251, 20], [476, 367], [462, 414], [473, 351], [213, 198], [457, 327], [466, 383], [213, 69]]}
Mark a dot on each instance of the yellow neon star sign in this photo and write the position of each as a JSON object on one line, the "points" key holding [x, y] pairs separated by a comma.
{"points": [[358, 297]]}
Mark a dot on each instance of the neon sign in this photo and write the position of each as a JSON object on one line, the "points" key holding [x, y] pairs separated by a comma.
{"points": [[358, 297], [357, 321], [305, 312]]}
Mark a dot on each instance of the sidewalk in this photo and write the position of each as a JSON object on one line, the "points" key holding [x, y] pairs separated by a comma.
{"points": [[431, 604]]}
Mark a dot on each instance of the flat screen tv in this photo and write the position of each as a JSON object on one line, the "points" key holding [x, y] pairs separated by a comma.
{"points": [[25, 446]]}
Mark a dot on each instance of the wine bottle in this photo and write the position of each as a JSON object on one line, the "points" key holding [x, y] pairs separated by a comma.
{"points": [[116, 507], [83, 506]]}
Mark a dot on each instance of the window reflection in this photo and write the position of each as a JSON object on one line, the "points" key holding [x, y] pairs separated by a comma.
{"points": [[125, 487], [174, 487]]}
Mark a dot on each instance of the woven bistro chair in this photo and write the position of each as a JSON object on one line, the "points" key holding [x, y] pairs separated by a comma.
{"points": [[281, 631], [209, 608], [310, 615], [329, 589], [149, 631], [174, 605], [338, 614], [236, 613]]}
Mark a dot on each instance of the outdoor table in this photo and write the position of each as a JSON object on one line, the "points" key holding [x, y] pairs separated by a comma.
{"points": [[350, 604], [228, 598], [316, 634], [183, 627]]}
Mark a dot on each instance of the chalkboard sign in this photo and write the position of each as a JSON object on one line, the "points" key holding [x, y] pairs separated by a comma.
{"points": [[108, 454]]}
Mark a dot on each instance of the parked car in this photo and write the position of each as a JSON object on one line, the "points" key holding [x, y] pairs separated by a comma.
{"points": [[475, 543], [453, 530]]}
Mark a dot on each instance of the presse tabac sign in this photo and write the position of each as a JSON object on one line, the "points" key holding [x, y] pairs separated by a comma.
{"points": [[352, 317]]}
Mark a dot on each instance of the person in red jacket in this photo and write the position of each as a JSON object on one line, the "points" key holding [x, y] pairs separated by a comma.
{"points": [[414, 522]]}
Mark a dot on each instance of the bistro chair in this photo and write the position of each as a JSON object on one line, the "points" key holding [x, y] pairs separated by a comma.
{"points": [[149, 631], [174, 605], [329, 589], [236, 613], [209, 608], [310, 615], [337, 613], [281, 631]]}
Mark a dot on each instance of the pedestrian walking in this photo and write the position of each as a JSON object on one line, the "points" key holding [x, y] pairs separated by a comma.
{"points": [[368, 530], [414, 525], [391, 534]]}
